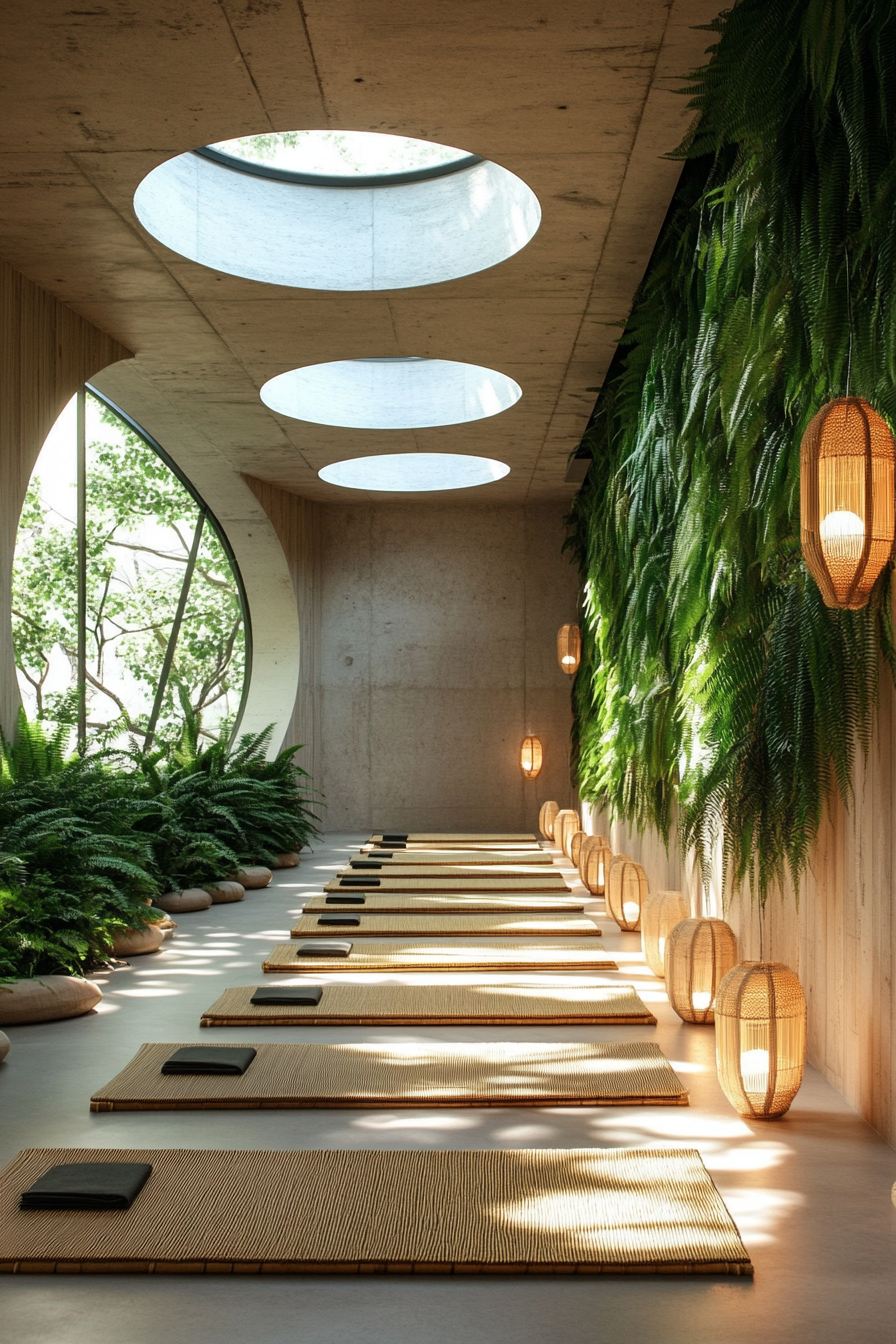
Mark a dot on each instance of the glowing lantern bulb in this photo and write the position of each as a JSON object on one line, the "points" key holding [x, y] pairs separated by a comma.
{"points": [[754, 1069], [701, 999]]}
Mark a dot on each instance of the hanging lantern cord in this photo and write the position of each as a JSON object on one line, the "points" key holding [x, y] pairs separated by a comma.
{"points": [[849, 323]]}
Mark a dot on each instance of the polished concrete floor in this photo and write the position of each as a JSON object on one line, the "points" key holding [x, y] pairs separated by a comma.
{"points": [[810, 1193]]}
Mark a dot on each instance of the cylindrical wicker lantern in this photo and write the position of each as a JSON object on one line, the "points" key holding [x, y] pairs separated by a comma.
{"points": [[662, 911], [699, 954], [760, 1038], [546, 817], [595, 858], [565, 826], [626, 892], [847, 504], [531, 757], [575, 846], [569, 648]]}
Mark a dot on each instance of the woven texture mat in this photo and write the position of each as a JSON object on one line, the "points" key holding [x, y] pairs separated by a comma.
{"points": [[359, 1004], [531, 1210], [530, 858], [435, 903], [450, 879], [466, 837], [587, 954], [447, 926], [421, 1074]]}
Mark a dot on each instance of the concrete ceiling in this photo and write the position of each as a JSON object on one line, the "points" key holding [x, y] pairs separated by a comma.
{"points": [[578, 100]]}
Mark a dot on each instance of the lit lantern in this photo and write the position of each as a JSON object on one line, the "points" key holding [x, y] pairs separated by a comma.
{"points": [[575, 846], [569, 648], [565, 825], [531, 757], [546, 818], [662, 911], [595, 858], [626, 892], [760, 1038], [699, 954], [847, 505]]}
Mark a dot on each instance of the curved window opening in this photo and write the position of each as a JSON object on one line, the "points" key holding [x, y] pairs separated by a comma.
{"points": [[347, 231], [401, 473], [128, 608], [339, 158]]}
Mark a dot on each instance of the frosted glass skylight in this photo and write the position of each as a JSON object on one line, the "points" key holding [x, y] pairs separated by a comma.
{"points": [[402, 472], [348, 231], [390, 393], [344, 154]]}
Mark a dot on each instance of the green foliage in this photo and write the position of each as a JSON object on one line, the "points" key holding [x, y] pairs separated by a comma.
{"points": [[712, 673]]}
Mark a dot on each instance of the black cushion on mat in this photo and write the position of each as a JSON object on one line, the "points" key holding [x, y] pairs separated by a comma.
{"points": [[396, 839], [346, 900], [350, 921], [359, 881], [307, 994], [366, 863], [323, 949], [87, 1185], [227, 1059]]}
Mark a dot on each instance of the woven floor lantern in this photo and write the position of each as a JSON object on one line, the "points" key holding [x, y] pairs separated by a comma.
{"points": [[662, 911], [595, 858], [699, 954], [626, 892], [575, 846], [847, 504], [760, 1038], [569, 648], [546, 818], [531, 757], [565, 826]]}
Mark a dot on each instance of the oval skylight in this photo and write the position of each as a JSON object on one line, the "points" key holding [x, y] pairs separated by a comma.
{"points": [[390, 393], [344, 157], [400, 472], [354, 232]]}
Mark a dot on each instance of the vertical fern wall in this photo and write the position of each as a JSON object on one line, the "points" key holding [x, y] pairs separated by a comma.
{"points": [[713, 674]]}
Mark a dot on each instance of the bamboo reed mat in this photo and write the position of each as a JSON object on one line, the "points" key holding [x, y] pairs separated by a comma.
{"points": [[586, 954], [446, 926], [514, 1004], [436, 1073], [456, 880], [435, 903], [447, 879], [531, 858], [465, 837], [572, 1210]]}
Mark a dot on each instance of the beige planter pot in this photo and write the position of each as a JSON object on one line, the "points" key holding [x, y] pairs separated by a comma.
{"points": [[4, 1046], [182, 902], [47, 999], [253, 877], [290, 860], [222, 893], [135, 942]]}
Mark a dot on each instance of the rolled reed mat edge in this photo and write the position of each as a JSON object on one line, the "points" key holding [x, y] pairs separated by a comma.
{"points": [[393, 954], [583, 1210], [447, 903], [385, 880], [365, 1074]]}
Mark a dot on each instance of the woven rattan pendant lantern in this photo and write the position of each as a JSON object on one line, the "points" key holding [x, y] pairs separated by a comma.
{"points": [[569, 648], [575, 846], [565, 826], [626, 892], [595, 858], [546, 818], [760, 1038], [699, 954], [847, 504], [531, 757], [662, 911]]}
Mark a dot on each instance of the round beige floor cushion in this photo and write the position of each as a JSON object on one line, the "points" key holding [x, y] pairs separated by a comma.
{"points": [[46, 999], [134, 942], [290, 860], [224, 892], [4, 1046], [182, 902], [253, 877]]}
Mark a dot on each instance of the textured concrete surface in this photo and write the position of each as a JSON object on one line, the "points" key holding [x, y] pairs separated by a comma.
{"points": [[810, 1193], [438, 631]]}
